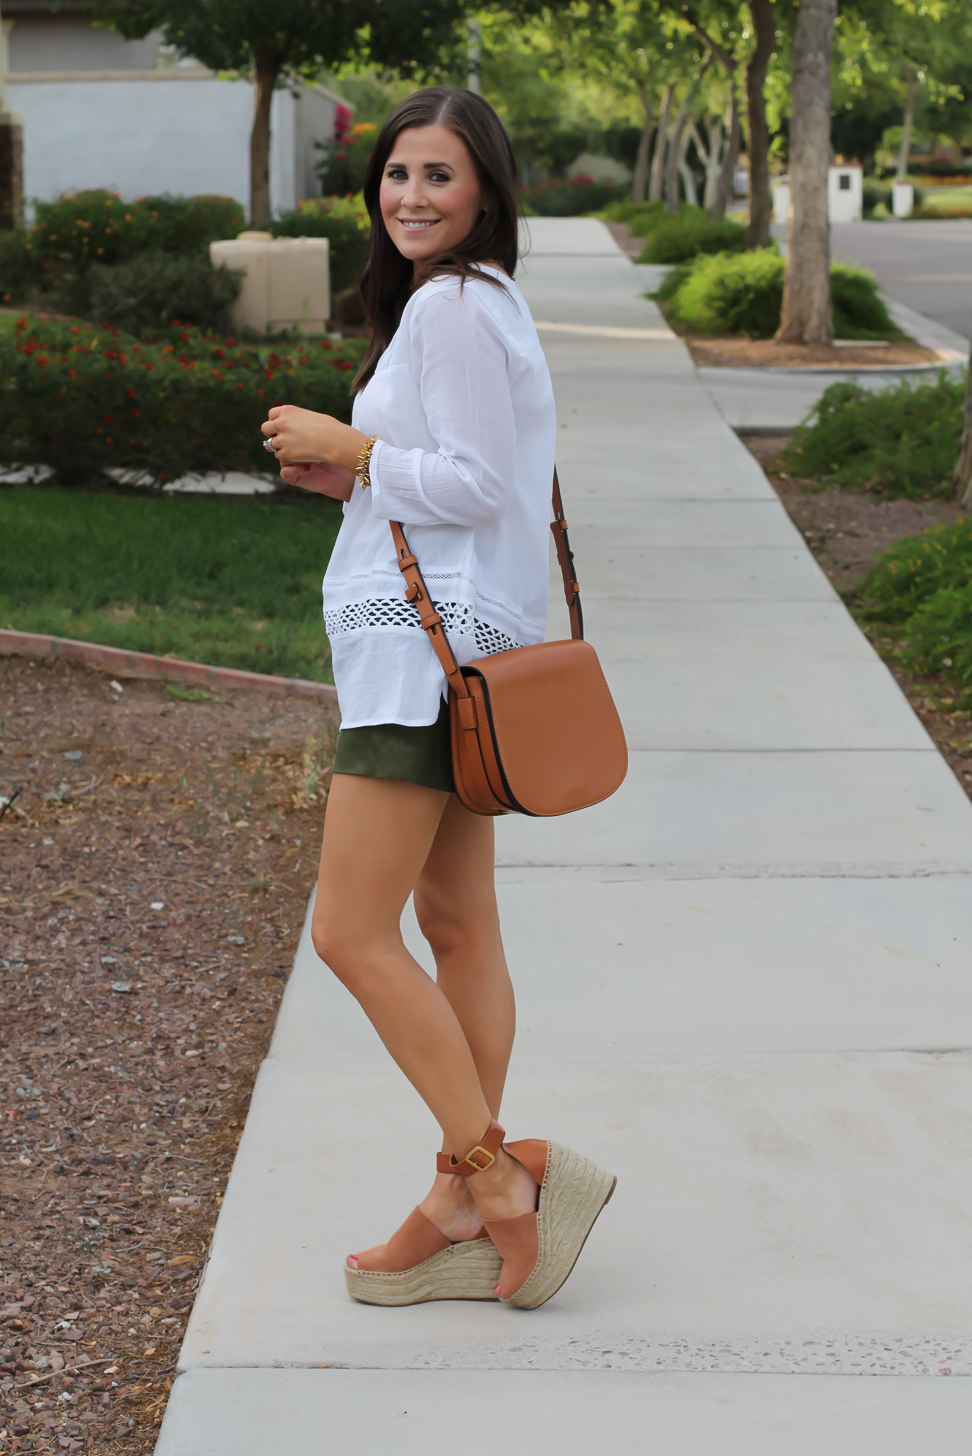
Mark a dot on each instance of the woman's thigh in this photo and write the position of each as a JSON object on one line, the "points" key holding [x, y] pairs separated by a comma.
{"points": [[377, 836]]}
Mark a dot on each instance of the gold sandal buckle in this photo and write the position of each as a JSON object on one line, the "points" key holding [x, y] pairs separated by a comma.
{"points": [[480, 1167]]}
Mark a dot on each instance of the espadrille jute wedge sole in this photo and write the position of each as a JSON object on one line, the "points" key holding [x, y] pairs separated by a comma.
{"points": [[467, 1270], [573, 1191]]}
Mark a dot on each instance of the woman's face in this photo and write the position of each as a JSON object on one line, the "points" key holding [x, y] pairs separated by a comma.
{"points": [[430, 193]]}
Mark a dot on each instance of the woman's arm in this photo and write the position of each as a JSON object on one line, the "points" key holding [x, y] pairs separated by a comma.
{"points": [[336, 481], [460, 359]]}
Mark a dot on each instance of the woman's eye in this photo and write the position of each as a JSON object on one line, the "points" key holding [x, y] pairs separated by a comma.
{"points": [[439, 177], [397, 174]]}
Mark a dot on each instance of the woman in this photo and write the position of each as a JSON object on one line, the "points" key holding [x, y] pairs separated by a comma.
{"points": [[453, 435]]}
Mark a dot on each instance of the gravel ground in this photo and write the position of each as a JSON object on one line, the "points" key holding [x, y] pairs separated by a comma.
{"points": [[154, 874], [846, 530]]}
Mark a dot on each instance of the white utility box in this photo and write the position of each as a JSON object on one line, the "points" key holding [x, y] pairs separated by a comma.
{"points": [[845, 194], [286, 281], [902, 199], [781, 201]]}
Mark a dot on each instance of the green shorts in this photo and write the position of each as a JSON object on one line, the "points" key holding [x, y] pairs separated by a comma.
{"points": [[393, 751]]}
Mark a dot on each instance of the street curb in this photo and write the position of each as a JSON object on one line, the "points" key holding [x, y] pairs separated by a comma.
{"points": [[160, 669]]}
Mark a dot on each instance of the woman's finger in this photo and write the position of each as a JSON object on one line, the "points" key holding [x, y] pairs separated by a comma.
{"points": [[275, 411]]}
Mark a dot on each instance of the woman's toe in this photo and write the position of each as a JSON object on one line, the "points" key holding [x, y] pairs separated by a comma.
{"points": [[352, 1261]]}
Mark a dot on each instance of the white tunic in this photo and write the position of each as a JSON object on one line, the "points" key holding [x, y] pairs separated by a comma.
{"points": [[463, 403]]}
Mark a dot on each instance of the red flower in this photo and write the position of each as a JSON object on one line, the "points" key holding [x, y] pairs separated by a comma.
{"points": [[109, 420], [130, 393]]}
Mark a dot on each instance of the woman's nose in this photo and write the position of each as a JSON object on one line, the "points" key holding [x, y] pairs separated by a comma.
{"points": [[414, 195]]}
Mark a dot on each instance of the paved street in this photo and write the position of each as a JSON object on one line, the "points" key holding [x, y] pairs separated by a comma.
{"points": [[744, 984], [924, 263]]}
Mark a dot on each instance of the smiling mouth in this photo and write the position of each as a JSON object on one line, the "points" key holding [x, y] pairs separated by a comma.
{"points": [[418, 224]]}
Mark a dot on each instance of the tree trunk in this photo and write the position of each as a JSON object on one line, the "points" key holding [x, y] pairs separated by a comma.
{"points": [[712, 159], [640, 180], [760, 212], [904, 155], [963, 466], [685, 171], [729, 157], [807, 313], [661, 146], [267, 71], [675, 146]]}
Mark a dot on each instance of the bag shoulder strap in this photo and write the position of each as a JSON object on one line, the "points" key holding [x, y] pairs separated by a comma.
{"points": [[566, 558], [417, 592]]}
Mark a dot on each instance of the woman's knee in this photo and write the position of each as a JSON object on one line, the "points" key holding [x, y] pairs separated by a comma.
{"points": [[337, 945], [449, 927]]}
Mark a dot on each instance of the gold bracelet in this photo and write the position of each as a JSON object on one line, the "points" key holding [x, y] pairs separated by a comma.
{"points": [[363, 467]]}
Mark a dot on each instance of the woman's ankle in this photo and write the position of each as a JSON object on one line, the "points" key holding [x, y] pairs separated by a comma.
{"points": [[449, 1204]]}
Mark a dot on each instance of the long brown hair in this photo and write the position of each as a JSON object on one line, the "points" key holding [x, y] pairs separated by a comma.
{"points": [[388, 280]]}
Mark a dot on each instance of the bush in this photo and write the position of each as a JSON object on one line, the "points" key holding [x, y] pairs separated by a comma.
{"points": [[572, 197], [16, 266], [51, 261], [875, 194], [922, 587], [639, 216], [344, 221], [85, 399], [153, 289], [731, 293], [83, 228], [684, 235], [344, 158], [743, 294], [189, 224], [902, 441]]}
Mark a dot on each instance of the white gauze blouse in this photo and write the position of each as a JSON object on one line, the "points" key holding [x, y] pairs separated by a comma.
{"points": [[463, 403]]}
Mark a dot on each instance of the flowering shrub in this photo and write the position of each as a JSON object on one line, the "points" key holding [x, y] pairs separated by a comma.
{"points": [[83, 398], [570, 198], [344, 159], [84, 230]]}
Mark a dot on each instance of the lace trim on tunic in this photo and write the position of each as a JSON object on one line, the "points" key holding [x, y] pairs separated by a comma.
{"points": [[393, 612]]}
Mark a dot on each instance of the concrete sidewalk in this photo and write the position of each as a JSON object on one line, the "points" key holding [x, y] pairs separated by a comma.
{"points": [[744, 983]]}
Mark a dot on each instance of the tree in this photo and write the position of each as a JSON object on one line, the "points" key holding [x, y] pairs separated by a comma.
{"points": [[764, 28], [807, 314], [278, 40]]}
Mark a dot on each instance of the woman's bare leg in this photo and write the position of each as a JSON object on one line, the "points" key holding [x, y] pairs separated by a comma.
{"points": [[378, 835], [455, 905]]}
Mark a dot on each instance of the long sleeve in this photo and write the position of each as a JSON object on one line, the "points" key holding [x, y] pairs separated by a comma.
{"points": [[461, 364]]}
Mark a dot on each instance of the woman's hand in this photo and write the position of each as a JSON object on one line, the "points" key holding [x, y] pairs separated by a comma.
{"points": [[300, 435], [333, 480]]}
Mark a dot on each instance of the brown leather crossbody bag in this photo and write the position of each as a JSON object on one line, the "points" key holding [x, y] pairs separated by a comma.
{"points": [[534, 730]]}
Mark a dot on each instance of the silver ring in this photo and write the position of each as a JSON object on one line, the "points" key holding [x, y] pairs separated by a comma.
{"points": [[269, 445]]}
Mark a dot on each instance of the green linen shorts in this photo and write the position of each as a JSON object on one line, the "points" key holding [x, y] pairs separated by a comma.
{"points": [[394, 751]]}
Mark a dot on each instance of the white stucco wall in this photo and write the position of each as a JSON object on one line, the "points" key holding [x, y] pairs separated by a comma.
{"points": [[161, 132]]}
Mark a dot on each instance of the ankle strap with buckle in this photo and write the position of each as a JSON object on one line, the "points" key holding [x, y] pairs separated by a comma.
{"points": [[478, 1159]]}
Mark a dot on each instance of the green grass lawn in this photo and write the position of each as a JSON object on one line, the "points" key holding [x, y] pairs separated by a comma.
{"points": [[231, 581], [945, 199]]}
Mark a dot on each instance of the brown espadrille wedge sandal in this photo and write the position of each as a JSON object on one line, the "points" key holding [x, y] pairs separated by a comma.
{"points": [[419, 1263], [540, 1249]]}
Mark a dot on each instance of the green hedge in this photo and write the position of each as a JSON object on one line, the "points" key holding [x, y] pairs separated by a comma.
{"points": [[82, 399], [922, 588], [902, 441], [743, 294]]}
